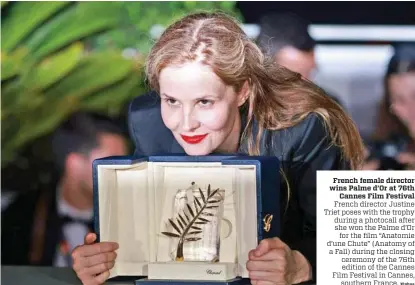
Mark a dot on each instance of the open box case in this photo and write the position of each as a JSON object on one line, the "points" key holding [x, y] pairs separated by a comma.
{"points": [[185, 217]]}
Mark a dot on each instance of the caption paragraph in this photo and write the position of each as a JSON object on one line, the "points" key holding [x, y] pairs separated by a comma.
{"points": [[366, 227]]}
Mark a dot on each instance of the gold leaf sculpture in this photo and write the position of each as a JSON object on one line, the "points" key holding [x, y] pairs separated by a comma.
{"points": [[187, 225]]}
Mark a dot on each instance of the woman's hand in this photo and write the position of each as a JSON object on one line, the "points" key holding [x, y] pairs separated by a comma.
{"points": [[273, 262], [92, 262]]}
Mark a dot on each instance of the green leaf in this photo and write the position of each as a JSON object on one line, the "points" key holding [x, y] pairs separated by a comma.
{"points": [[44, 120], [11, 64], [41, 34], [23, 17], [93, 73], [11, 93], [53, 69], [120, 91], [89, 18], [190, 5]]}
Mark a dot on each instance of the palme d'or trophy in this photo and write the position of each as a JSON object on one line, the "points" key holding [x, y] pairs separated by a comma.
{"points": [[196, 227], [194, 230]]}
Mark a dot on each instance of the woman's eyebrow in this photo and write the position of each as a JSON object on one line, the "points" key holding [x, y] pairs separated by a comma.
{"points": [[166, 95], [207, 96], [203, 97]]}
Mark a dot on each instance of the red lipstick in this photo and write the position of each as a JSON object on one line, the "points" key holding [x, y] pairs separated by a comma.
{"points": [[193, 139]]}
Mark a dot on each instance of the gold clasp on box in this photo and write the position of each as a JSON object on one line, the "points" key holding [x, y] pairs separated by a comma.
{"points": [[267, 222]]}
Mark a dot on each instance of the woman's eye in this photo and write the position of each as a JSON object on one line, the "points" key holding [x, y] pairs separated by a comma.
{"points": [[171, 102], [205, 102]]}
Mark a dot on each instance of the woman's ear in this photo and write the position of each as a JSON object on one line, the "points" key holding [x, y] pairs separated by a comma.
{"points": [[243, 94]]}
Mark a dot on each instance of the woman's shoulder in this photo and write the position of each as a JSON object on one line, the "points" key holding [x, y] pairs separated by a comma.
{"points": [[146, 127], [147, 102], [309, 131], [312, 125], [144, 113], [304, 142]]}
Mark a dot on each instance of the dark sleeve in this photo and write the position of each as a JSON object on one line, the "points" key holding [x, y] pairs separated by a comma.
{"points": [[132, 131], [311, 153], [16, 230], [146, 128]]}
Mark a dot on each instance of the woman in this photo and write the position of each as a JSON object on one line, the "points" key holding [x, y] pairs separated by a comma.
{"points": [[394, 138], [218, 93]]}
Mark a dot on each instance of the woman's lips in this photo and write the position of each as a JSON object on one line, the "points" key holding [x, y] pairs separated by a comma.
{"points": [[193, 139]]}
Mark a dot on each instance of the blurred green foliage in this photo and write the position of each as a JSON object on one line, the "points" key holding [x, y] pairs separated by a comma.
{"points": [[47, 71], [141, 16], [61, 57]]}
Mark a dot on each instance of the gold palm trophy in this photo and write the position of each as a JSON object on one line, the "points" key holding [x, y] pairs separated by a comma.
{"points": [[195, 230]]}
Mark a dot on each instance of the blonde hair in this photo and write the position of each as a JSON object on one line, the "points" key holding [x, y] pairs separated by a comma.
{"points": [[278, 98]]}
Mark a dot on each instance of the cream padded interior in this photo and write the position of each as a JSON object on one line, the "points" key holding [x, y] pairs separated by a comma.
{"points": [[132, 208]]}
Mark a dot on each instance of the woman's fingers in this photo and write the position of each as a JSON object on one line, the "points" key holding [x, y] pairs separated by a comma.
{"points": [[100, 258], [94, 249], [90, 238], [101, 278], [100, 268], [274, 254], [259, 265], [265, 276]]}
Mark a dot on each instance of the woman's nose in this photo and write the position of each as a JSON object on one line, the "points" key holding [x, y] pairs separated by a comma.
{"points": [[190, 121]]}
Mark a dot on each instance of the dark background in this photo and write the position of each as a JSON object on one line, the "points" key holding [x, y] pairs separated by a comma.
{"points": [[334, 12]]}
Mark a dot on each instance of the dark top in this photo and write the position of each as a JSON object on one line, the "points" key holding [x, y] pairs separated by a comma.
{"points": [[31, 229], [302, 150]]}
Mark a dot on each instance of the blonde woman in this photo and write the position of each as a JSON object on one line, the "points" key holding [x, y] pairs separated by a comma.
{"points": [[215, 92]]}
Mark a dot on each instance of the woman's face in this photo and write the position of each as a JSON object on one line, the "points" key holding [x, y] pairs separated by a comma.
{"points": [[199, 109], [402, 95]]}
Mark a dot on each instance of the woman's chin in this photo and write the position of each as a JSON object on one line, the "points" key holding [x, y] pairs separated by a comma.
{"points": [[196, 150]]}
